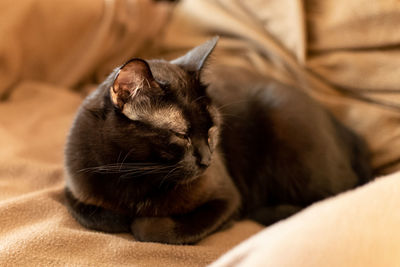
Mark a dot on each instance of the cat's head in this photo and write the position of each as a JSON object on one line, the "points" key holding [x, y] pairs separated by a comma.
{"points": [[150, 120]]}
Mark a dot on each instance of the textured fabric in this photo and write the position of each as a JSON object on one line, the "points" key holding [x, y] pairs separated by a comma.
{"points": [[52, 52], [359, 228]]}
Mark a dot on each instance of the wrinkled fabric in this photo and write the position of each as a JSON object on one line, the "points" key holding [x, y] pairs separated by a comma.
{"points": [[53, 52], [358, 228]]}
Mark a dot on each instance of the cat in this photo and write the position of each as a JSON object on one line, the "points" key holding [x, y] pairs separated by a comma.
{"points": [[172, 153]]}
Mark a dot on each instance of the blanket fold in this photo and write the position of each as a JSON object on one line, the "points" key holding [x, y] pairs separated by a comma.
{"points": [[52, 51]]}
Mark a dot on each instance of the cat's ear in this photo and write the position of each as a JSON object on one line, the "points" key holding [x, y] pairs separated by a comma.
{"points": [[194, 59], [132, 78]]}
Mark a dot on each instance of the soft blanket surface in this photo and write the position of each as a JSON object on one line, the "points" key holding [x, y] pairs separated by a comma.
{"points": [[55, 51], [359, 228]]}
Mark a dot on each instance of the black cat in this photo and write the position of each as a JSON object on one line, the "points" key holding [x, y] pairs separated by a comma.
{"points": [[156, 152]]}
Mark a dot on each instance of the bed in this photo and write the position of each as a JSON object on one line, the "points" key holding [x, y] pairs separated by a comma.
{"points": [[346, 54]]}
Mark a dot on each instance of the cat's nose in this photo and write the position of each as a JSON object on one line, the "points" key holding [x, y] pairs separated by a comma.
{"points": [[203, 154], [205, 160]]}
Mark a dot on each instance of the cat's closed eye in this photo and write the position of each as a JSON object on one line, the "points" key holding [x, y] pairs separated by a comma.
{"points": [[181, 135]]}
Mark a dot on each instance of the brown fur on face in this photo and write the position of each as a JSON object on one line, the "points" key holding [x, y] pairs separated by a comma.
{"points": [[147, 150]]}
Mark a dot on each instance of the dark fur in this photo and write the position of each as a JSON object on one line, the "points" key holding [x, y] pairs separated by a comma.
{"points": [[278, 152]]}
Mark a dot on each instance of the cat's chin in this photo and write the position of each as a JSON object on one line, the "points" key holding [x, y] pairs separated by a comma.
{"points": [[191, 178]]}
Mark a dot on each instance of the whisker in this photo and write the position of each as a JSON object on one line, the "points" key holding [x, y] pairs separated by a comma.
{"points": [[127, 154], [140, 173], [169, 173], [231, 103], [229, 115], [119, 155], [125, 167], [199, 98]]}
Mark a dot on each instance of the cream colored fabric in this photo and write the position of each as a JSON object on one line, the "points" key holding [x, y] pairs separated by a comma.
{"points": [[358, 228], [51, 52], [67, 42]]}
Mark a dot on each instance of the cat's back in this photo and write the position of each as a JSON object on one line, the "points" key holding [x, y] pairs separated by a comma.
{"points": [[277, 136]]}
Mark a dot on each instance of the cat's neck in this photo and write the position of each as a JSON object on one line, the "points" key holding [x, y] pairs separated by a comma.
{"points": [[185, 197]]}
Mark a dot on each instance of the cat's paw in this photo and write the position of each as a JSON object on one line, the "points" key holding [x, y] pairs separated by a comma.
{"points": [[154, 229]]}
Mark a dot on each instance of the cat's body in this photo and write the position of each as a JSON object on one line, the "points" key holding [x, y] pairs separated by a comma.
{"points": [[154, 152], [276, 131]]}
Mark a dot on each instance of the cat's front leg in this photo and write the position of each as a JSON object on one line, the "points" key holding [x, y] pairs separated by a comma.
{"points": [[186, 228], [154, 229]]}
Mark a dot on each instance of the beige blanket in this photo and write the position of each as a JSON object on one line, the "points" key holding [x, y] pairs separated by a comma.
{"points": [[359, 228], [52, 52]]}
